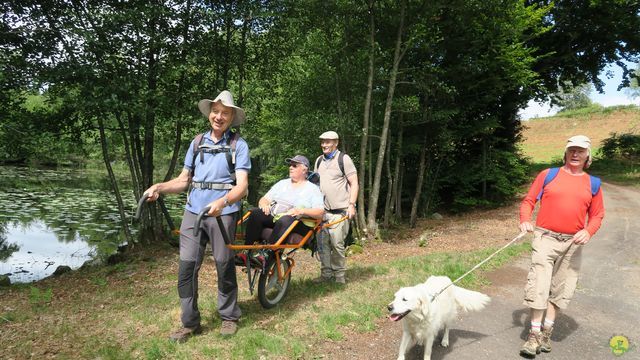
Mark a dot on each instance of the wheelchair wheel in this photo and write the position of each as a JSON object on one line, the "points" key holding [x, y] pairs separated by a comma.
{"points": [[271, 288]]}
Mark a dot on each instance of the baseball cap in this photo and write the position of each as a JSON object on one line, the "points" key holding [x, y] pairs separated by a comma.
{"points": [[579, 141], [298, 159]]}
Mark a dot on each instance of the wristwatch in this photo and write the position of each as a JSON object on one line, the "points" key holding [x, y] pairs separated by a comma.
{"points": [[354, 205], [226, 201]]}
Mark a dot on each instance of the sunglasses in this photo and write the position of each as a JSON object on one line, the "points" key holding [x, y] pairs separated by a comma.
{"points": [[295, 165]]}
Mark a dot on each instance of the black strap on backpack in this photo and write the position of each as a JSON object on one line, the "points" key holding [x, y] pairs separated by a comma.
{"points": [[340, 162], [229, 151]]}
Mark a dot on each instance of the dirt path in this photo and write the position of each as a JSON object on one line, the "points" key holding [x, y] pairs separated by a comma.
{"points": [[606, 303]]}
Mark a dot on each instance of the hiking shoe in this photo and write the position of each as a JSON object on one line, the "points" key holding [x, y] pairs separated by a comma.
{"points": [[228, 328], [321, 280], [183, 334], [241, 259], [532, 346], [545, 339], [341, 280]]}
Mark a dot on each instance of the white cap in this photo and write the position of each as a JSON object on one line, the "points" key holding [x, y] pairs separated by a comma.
{"points": [[329, 135], [579, 141]]}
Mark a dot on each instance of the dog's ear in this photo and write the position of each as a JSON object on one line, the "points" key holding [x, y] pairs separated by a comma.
{"points": [[425, 300]]}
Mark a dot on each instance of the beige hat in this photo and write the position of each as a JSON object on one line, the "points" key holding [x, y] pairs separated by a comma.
{"points": [[226, 99], [329, 135], [579, 141]]}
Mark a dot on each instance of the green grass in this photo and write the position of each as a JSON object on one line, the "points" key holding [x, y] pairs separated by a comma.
{"points": [[544, 140], [620, 172], [122, 318], [595, 109]]}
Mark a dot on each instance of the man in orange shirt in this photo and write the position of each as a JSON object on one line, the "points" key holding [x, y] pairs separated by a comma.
{"points": [[568, 196]]}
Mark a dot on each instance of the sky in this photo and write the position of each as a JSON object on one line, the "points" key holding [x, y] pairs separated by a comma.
{"points": [[610, 97]]}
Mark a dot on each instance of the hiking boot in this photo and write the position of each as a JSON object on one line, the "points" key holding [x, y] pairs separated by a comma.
{"points": [[341, 280], [545, 339], [228, 328], [532, 346], [183, 334], [321, 280]]}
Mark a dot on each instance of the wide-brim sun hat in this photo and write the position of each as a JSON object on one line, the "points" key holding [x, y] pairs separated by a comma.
{"points": [[226, 99], [329, 135]]}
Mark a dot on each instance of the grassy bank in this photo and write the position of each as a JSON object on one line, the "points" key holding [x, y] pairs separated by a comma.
{"points": [[544, 140], [126, 311]]}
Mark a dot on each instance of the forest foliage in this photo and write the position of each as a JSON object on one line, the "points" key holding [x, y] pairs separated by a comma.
{"points": [[424, 94]]}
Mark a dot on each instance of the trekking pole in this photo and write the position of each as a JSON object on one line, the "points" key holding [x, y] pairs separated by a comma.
{"points": [[141, 202], [204, 213], [479, 264]]}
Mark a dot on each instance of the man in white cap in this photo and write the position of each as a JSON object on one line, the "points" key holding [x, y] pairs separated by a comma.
{"points": [[567, 196], [216, 169], [339, 184]]}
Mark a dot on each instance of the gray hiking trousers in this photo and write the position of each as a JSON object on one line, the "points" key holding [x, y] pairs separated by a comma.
{"points": [[191, 257]]}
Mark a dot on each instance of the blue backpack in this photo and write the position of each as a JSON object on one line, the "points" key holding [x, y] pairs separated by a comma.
{"points": [[553, 172]]}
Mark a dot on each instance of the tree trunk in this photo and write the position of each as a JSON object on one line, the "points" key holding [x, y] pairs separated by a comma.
{"points": [[114, 183], [136, 148], [396, 190], [243, 53], [484, 168], [176, 152], [227, 48], [129, 156], [390, 182], [375, 191], [150, 121], [419, 184], [427, 205], [400, 183], [365, 119]]}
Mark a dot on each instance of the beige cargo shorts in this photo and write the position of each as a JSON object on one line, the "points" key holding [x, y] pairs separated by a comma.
{"points": [[553, 275]]}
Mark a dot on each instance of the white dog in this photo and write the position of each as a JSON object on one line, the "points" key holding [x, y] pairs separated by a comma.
{"points": [[424, 316]]}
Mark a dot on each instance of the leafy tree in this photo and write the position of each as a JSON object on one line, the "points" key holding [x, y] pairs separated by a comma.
{"points": [[633, 90], [574, 97]]}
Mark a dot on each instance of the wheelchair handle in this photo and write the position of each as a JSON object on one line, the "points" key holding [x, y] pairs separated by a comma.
{"points": [[141, 202], [204, 213]]}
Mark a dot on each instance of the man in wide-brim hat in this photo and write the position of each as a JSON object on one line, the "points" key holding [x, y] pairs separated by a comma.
{"points": [[216, 169]]}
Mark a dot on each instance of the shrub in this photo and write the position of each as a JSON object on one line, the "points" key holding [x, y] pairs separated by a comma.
{"points": [[626, 146]]}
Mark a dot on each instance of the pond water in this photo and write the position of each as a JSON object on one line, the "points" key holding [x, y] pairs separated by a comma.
{"points": [[50, 218]]}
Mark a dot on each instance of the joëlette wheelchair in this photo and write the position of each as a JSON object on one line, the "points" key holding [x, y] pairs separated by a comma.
{"points": [[274, 275]]}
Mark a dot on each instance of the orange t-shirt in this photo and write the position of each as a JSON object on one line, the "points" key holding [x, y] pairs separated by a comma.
{"points": [[565, 203]]}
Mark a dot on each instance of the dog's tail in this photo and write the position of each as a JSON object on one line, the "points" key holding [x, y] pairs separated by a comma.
{"points": [[469, 300]]}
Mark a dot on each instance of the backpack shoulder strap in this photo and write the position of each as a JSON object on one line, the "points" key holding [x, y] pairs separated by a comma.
{"points": [[553, 172], [197, 141], [595, 184], [340, 162], [231, 154]]}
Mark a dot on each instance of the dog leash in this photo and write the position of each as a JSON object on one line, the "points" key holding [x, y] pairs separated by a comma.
{"points": [[480, 264]]}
